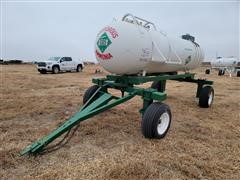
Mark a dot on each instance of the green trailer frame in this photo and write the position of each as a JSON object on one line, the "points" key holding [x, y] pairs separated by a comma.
{"points": [[101, 100]]}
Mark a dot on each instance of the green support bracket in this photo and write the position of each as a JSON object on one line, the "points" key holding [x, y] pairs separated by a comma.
{"points": [[149, 95], [199, 88], [146, 103], [163, 85], [147, 99], [200, 83]]}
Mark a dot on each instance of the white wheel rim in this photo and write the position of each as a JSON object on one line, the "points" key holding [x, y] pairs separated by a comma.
{"points": [[163, 123], [210, 98]]}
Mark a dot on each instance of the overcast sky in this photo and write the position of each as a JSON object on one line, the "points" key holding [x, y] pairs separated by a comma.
{"points": [[38, 30]]}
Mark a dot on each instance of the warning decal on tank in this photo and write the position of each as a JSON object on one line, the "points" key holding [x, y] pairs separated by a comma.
{"points": [[103, 42], [103, 56], [111, 30]]}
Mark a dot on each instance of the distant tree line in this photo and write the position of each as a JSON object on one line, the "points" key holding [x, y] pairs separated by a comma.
{"points": [[15, 61]]}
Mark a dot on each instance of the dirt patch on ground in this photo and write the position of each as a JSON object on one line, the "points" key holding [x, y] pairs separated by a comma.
{"points": [[201, 143]]}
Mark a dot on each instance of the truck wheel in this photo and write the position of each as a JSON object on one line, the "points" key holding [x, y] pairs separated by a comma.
{"points": [[89, 92], [42, 71], [221, 72], [79, 68], [206, 97], [238, 73], [55, 69], [157, 85], [156, 120], [207, 71]]}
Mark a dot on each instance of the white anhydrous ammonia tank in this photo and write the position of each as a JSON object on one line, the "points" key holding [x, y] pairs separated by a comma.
{"points": [[224, 62], [133, 46]]}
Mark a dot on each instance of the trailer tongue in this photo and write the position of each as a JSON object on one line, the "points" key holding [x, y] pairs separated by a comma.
{"points": [[156, 116]]}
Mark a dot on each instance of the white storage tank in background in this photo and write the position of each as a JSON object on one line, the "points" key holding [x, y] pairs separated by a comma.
{"points": [[133, 45]]}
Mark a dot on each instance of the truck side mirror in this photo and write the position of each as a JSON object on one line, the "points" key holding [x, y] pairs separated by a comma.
{"points": [[61, 61]]}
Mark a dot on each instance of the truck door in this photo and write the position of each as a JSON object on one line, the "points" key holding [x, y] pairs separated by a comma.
{"points": [[63, 64], [70, 64]]}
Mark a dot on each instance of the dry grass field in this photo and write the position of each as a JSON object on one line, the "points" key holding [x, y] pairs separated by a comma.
{"points": [[201, 143]]}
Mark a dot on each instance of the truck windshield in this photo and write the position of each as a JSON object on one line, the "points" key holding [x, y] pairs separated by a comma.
{"points": [[54, 58]]}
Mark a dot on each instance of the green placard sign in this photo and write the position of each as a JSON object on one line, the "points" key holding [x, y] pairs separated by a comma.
{"points": [[103, 42]]}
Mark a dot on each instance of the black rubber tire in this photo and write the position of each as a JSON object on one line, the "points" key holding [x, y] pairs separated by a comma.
{"points": [[55, 69], [151, 120], [42, 71], [221, 72], [157, 85], [173, 73], [207, 71], [79, 68], [204, 97], [238, 73], [89, 92]]}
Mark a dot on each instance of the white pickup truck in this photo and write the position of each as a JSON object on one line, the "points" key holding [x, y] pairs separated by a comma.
{"points": [[59, 64]]}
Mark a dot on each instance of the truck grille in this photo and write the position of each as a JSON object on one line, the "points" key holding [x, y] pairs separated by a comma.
{"points": [[41, 64]]}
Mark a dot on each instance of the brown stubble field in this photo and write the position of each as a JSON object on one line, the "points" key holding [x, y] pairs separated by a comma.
{"points": [[201, 143]]}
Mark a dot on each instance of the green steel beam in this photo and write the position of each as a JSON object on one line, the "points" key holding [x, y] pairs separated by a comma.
{"points": [[197, 81], [143, 79], [126, 80], [106, 101]]}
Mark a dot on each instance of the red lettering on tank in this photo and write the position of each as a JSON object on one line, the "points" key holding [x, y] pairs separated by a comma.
{"points": [[103, 56], [111, 30]]}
